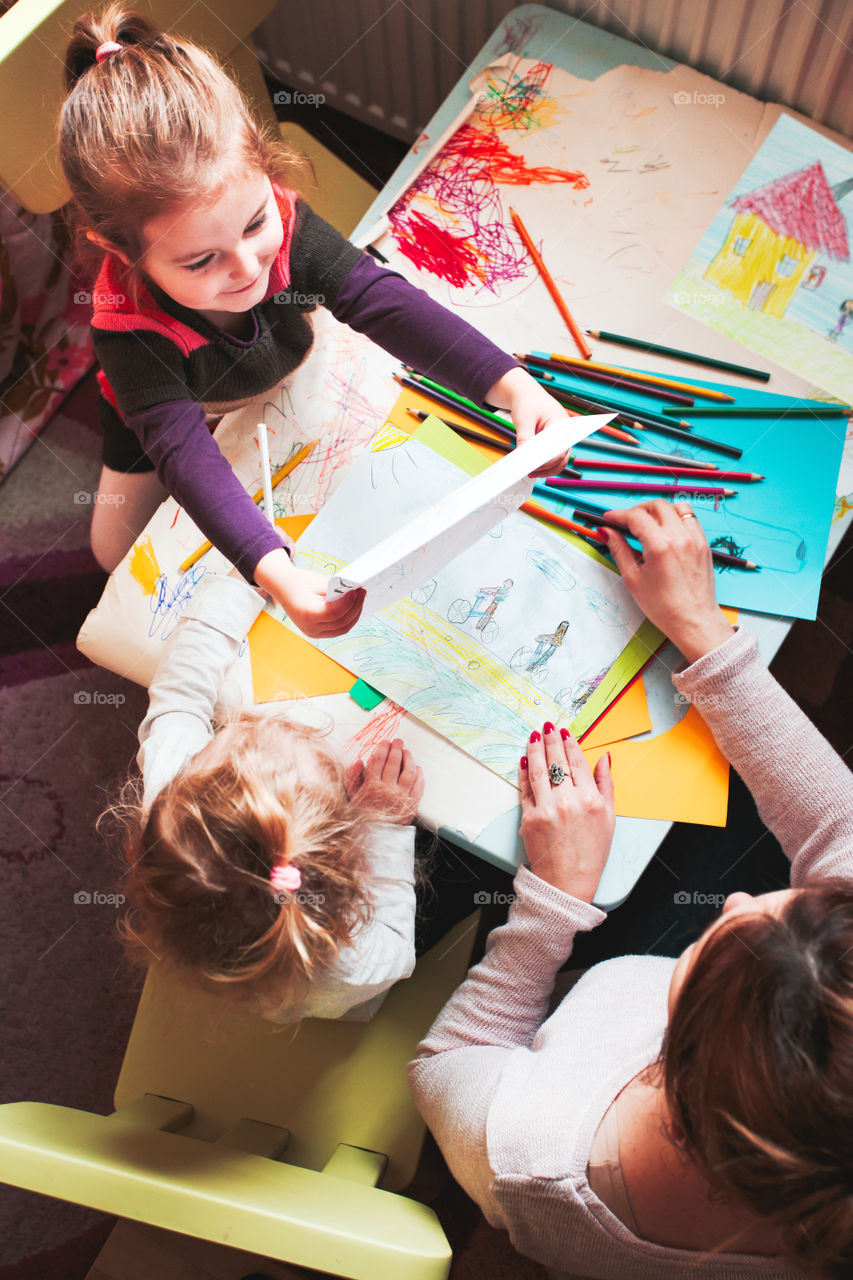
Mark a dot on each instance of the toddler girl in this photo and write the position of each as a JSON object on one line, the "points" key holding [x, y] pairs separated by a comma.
{"points": [[211, 266], [258, 865]]}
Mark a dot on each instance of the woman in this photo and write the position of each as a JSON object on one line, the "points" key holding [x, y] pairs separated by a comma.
{"points": [[671, 1118]]}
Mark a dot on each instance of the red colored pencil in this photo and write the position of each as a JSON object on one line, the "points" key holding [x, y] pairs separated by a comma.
{"points": [[653, 469], [621, 486], [580, 341]]}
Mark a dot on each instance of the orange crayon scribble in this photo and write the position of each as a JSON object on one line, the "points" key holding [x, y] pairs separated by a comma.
{"points": [[383, 724]]}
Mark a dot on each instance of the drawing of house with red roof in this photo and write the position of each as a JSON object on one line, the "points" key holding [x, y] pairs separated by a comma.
{"points": [[778, 231]]}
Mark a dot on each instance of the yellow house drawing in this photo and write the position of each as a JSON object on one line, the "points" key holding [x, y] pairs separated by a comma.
{"points": [[777, 232]]}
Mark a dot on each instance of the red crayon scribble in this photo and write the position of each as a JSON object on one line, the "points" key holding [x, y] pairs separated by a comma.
{"points": [[476, 247], [458, 232]]}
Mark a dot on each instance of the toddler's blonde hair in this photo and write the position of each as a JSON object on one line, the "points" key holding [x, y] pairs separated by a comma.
{"points": [[199, 895]]}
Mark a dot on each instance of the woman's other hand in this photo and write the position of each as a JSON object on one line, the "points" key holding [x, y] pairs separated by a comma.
{"points": [[567, 828], [673, 579]]}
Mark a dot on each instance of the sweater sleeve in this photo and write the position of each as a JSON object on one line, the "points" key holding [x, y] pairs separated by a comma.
{"points": [[383, 952], [504, 999], [188, 678], [803, 789], [189, 463], [410, 325]]}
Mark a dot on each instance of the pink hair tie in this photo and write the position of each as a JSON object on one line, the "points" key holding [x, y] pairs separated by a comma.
{"points": [[285, 877], [104, 50]]}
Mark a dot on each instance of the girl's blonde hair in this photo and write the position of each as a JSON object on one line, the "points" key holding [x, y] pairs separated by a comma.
{"points": [[153, 127], [199, 894]]}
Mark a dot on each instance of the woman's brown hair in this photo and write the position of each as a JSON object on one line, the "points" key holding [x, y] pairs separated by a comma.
{"points": [[758, 1070], [198, 889], [154, 127]]}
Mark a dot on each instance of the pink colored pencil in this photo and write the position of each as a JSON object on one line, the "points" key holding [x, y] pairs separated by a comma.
{"points": [[652, 469], [623, 486]]}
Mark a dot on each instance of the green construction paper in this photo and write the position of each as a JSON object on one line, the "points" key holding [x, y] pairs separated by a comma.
{"points": [[365, 695]]}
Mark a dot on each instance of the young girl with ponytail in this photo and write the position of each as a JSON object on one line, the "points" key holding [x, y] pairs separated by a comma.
{"points": [[258, 865], [211, 267]]}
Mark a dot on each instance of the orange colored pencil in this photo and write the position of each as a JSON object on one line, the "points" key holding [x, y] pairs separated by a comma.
{"points": [[547, 280], [637, 375], [560, 521]]}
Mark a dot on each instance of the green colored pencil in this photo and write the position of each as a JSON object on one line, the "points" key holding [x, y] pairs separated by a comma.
{"points": [[711, 361], [782, 411]]}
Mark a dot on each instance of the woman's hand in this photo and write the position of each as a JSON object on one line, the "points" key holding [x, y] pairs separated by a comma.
{"points": [[566, 829], [532, 409], [673, 580], [390, 781], [302, 595]]}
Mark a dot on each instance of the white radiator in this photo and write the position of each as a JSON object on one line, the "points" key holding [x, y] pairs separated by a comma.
{"points": [[392, 62]]}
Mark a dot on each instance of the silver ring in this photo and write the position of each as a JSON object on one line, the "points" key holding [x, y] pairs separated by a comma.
{"points": [[556, 773]]}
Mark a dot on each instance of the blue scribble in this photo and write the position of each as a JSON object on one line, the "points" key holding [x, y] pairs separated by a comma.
{"points": [[167, 602]]}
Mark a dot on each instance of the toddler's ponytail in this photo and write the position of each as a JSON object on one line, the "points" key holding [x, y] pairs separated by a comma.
{"points": [[115, 25]]}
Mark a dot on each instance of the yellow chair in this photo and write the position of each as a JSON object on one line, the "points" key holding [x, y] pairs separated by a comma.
{"points": [[33, 36], [232, 1131]]}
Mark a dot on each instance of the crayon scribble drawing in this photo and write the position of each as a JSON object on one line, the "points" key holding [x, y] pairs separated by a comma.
{"points": [[774, 269], [451, 222], [498, 640]]}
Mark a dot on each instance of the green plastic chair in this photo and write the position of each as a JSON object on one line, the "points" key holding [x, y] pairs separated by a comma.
{"points": [[290, 1144]]}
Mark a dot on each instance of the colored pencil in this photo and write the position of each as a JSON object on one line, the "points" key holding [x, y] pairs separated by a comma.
{"points": [[637, 375], [719, 557], [645, 468], [580, 341], [783, 411], [655, 347], [478, 437], [279, 475], [650, 455], [561, 522], [663, 426], [420, 382], [622, 486], [582, 370]]}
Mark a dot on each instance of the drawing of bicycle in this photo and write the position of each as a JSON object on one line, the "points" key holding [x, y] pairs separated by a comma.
{"points": [[574, 697], [422, 595], [460, 611], [533, 662]]}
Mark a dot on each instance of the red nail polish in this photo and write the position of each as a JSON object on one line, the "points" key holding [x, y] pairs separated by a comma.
{"points": [[524, 762], [565, 735], [534, 737], [547, 727], [609, 761], [604, 534]]}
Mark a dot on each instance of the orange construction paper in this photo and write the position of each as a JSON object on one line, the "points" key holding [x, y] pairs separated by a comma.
{"points": [[284, 664], [680, 775], [624, 718]]}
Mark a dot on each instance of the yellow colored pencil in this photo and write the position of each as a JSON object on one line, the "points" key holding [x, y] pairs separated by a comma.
{"points": [[637, 375], [257, 498]]}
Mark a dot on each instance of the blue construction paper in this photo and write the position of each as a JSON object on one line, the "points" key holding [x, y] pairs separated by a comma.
{"points": [[781, 523]]}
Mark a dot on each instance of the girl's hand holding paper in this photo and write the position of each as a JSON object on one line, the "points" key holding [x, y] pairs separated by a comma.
{"points": [[532, 410], [302, 595]]}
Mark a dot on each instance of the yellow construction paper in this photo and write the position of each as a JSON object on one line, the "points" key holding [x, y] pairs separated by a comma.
{"points": [[284, 664], [624, 718]]}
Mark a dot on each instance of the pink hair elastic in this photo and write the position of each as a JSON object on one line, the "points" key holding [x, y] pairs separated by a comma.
{"points": [[285, 877], [104, 50]]}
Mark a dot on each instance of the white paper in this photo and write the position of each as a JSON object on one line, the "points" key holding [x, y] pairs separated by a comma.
{"points": [[414, 553]]}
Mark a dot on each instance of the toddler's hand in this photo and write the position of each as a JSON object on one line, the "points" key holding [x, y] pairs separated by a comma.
{"points": [[302, 595], [532, 410], [566, 829], [390, 780]]}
